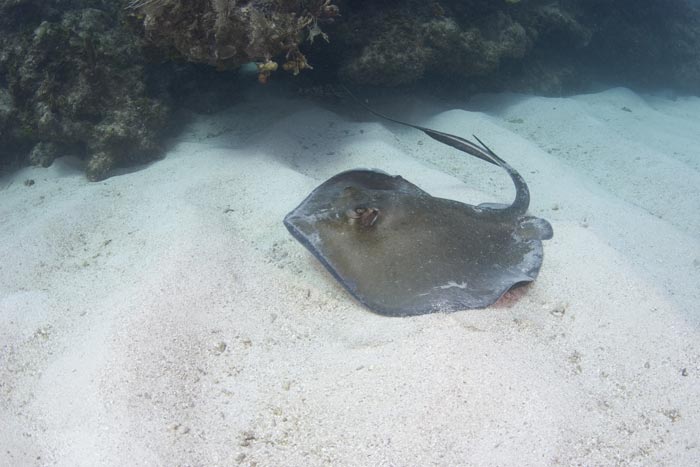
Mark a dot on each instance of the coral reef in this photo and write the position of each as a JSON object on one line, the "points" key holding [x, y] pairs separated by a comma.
{"points": [[536, 45], [229, 33], [74, 82], [407, 41], [101, 79], [405, 47]]}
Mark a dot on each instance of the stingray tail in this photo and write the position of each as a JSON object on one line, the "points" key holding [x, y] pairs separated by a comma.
{"points": [[483, 152]]}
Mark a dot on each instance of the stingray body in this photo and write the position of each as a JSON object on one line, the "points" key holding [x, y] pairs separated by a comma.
{"points": [[400, 251]]}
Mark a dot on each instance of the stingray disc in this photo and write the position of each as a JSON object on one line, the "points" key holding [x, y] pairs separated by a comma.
{"points": [[400, 251]]}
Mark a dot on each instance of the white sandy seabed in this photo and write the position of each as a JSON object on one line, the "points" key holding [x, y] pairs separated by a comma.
{"points": [[166, 317]]}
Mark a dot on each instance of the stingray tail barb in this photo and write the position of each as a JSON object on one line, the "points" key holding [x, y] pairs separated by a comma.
{"points": [[483, 152]]}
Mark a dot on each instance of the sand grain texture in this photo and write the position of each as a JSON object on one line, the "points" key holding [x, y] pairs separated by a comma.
{"points": [[165, 316]]}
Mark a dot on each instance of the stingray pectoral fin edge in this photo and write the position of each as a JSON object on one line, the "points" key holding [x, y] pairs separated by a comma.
{"points": [[536, 228]]}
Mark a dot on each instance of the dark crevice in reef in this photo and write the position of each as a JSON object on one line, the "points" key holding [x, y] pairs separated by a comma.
{"points": [[108, 80]]}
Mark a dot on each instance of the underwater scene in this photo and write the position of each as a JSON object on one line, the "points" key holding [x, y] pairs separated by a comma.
{"points": [[349, 233]]}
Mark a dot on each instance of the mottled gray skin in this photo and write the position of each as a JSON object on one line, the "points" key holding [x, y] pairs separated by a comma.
{"points": [[421, 254]]}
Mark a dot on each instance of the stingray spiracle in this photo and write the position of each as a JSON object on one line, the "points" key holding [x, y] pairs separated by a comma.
{"points": [[367, 217]]}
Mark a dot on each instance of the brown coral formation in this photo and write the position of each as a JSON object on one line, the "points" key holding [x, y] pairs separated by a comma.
{"points": [[229, 33]]}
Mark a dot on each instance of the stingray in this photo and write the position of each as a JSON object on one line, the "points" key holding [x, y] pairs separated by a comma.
{"points": [[400, 251]]}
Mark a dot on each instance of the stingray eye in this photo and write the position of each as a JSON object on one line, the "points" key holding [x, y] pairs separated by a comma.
{"points": [[354, 213]]}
